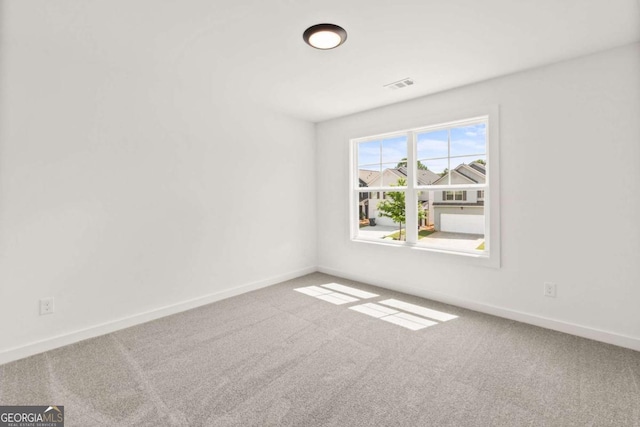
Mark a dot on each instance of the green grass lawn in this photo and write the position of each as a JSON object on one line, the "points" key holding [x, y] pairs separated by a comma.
{"points": [[481, 247], [421, 234]]}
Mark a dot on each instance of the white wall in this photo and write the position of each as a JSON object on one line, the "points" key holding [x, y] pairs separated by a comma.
{"points": [[132, 184], [568, 132]]}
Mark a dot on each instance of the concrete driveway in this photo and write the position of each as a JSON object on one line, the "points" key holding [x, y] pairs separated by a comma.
{"points": [[377, 231], [446, 240]]}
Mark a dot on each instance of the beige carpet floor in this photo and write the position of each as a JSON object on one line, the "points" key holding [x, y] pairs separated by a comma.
{"points": [[278, 357]]}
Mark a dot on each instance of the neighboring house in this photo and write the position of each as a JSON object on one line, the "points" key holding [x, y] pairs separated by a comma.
{"points": [[390, 177], [369, 177], [460, 211], [366, 178]]}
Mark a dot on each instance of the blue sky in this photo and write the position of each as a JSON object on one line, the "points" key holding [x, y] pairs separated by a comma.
{"points": [[432, 149]]}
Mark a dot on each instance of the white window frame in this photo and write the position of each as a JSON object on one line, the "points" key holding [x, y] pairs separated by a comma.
{"points": [[491, 256]]}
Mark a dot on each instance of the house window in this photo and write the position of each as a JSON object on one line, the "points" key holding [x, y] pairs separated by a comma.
{"points": [[433, 182], [454, 195]]}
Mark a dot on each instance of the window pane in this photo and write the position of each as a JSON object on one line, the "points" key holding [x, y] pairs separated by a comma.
{"points": [[394, 150], [432, 157], [468, 170], [369, 177], [431, 171], [432, 145], [425, 213], [381, 219], [369, 153], [393, 175], [469, 140], [452, 224]]}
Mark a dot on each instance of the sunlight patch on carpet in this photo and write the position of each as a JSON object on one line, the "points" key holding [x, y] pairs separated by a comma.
{"points": [[409, 321], [326, 295], [374, 310], [407, 315], [396, 317], [419, 310], [313, 291], [350, 291]]}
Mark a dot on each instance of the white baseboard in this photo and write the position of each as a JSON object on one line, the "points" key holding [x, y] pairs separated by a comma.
{"points": [[108, 327], [532, 319], [136, 319]]}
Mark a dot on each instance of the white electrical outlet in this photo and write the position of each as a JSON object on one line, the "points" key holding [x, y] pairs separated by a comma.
{"points": [[550, 289], [46, 306]]}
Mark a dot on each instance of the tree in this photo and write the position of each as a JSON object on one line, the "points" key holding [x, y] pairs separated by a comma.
{"points": [[393, 206], [403, 163], [481, 161], [444, 172]]}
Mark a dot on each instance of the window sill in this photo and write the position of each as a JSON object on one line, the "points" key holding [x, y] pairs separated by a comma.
{"points": [[485, 259]]}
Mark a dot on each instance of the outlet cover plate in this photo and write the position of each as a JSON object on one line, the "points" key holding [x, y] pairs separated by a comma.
{"points": [[46, 306], [550, 289]]}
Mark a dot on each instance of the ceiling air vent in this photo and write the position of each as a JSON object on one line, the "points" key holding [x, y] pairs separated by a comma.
{"points": [[399, 84]]}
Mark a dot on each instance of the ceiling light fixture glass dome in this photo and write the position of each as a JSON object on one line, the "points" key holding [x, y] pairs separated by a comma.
{"points": [[324, 36]]}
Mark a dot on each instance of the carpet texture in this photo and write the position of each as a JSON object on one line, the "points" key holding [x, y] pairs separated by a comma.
{"points": [[277, 357]]}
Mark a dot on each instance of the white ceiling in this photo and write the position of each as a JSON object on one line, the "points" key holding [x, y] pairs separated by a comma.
{"points": [[254, 48]]}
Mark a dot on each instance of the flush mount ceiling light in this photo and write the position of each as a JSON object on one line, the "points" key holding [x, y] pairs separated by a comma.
{"points": [[324, 36]]}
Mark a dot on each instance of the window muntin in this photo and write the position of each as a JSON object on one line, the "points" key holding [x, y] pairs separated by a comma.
{"points": [[447, 183]]}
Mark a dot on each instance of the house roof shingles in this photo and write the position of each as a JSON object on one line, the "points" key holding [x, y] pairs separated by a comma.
{"points": [[368, 176], [474, 172], [425, 177]]}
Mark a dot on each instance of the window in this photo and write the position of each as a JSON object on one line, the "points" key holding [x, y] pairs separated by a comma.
{"points": [[455, 195], [433, 181]]}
